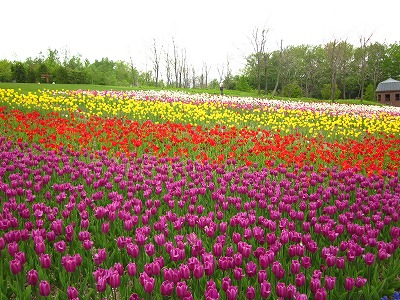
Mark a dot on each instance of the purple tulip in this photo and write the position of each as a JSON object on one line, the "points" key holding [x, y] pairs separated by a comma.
{"points": [[149, 284], [281, 289], [131, 269], [72, 292], [320, 294], [349, 283], [330, 282], [101, 284], [360, 282], [238, 273], [198, 271], [265, 289], [306, 262], [226, 282], [60, 246], [44, 288], [232, 292], [181, 289], [166, 288], [40, 248], [105, 227], [300, 279], [45, 261], [251, 269], [15, 266], [69, 263], [100, 256], [295, 267], [132, 250], [369, 258], [184, 271], [250, 293], [262, 276], [21, 256], [149, 249], [32, 277]]}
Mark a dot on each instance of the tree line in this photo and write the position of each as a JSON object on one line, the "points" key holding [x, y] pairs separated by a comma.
{"points": [[334, 70]]}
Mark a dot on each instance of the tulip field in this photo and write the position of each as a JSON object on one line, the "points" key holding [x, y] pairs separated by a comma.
{"points": [[170, 195]]}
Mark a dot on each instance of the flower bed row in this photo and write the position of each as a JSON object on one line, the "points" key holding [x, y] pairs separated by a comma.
{"points": [[216, 144], [333, 121]]}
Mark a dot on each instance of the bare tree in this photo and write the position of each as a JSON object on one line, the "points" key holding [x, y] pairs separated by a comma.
{"points": [[183, 70], [279, 71], [265, 58], [168, 63], [258, 41], [156, 57], [334, 52], [376, 55], [175, 62], [205, 72], [193, 77], [364, 51], [134, 78], [221, 72]]}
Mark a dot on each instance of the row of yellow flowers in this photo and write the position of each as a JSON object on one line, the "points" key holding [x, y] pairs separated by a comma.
{"points": [[310, 123]]}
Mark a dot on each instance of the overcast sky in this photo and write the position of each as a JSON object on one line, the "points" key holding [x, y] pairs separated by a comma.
{"points": [[210, 31]]}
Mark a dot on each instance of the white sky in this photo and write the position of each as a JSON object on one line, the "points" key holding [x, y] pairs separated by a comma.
{"points": [[211, 31]]}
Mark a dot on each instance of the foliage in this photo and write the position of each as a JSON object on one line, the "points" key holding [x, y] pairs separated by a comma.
{"points": [[370, 92], [326, 92], [293, 90], [5, 70], [242, 84]]}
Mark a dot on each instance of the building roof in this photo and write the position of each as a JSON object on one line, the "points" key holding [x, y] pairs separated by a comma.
{"points": [[388, 85]]}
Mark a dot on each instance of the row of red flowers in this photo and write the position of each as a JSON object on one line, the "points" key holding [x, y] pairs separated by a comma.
{"points": [[216, 144]]}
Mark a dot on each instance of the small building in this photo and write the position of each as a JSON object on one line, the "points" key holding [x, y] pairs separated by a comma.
{"points": [[388, 92]]}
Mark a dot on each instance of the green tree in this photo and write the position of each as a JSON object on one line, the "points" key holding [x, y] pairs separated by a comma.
{"points": [[293, 90], [326, 92], [18, 72], [241, 83], [370, 92], [5, 70], [391, 62]]}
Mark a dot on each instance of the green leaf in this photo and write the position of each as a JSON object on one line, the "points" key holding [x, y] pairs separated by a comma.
{"points": [[394, 285], [27, 293], [343, 296]]}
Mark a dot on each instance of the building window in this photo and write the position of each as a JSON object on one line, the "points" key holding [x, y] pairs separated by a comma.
{"points": [[379, 97], [397, 97], [387, 97]]}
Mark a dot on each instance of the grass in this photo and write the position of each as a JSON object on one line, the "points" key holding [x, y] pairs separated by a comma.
{"points": [[25, 88]]}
